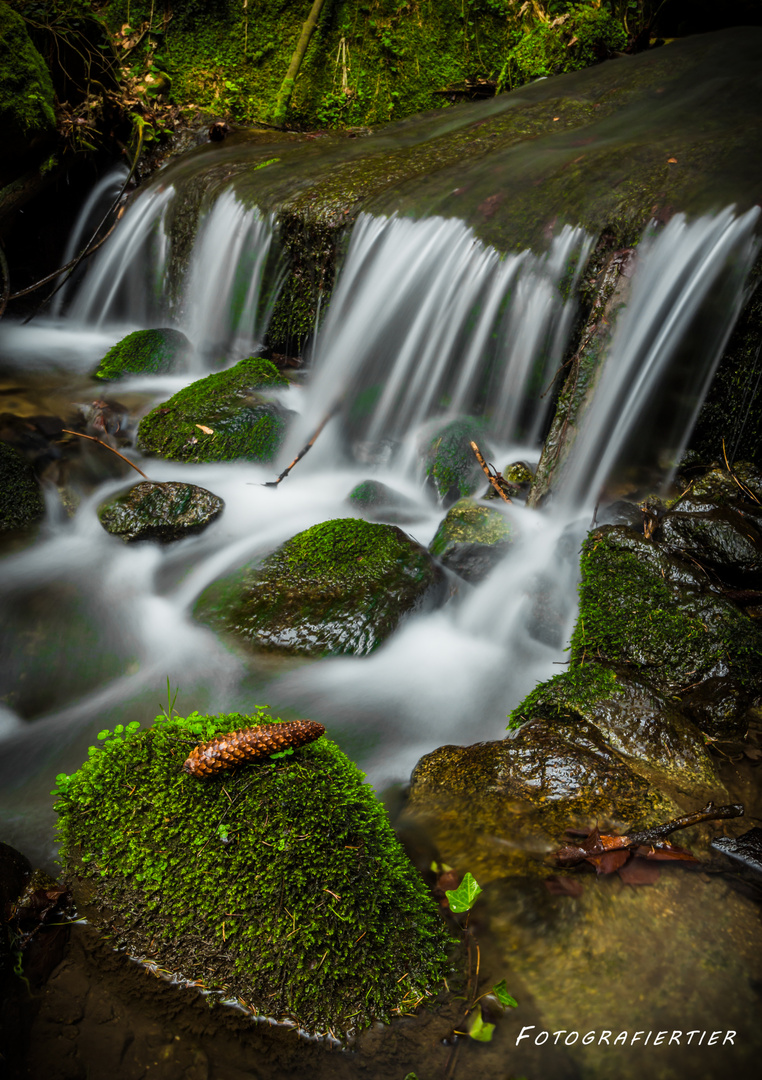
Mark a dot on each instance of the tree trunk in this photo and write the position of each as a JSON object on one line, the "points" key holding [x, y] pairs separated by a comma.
{"points": [[287, 86]]}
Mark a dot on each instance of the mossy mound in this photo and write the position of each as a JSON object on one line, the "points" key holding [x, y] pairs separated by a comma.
{"points": [[380, 502], [472, 539], [339, 587], [26, 89], [280, 883], [144, 352], [449, 460], [163, 512], [21, 501], [243, 422]]}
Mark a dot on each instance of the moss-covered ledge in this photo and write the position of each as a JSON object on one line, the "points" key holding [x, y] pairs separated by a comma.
{"points": [[280, 883]]}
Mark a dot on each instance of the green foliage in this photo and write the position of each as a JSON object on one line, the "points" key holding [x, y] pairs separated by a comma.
{"points": [[21, 501], [280, 882], [464, 897], [245, 424], [26, 89], [478, 1029], [144, 352], [567, 694], [500, 990]]}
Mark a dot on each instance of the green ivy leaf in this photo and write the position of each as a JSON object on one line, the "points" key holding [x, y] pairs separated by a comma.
{"points": [[500, 990], [478, 1030], [464, 897]]}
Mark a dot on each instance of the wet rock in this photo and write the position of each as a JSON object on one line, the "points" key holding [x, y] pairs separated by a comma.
{"points": [[163, 512], [717, 537], [636, 720], [227, 416], [498, 808], [450, 464], [472, 539], [340, 587], [644, 609], [145, 352], [745, 849], [21, 501], [380, 502], [15, 872]]}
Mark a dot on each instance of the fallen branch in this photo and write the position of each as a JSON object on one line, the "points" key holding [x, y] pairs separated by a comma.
{"points": [[743, 487], [303, 451], [493, 477], [654, 838], [106, 446]]}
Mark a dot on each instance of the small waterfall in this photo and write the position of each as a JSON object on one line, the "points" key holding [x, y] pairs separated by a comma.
{"points": [[222, 299], [425, 319]]}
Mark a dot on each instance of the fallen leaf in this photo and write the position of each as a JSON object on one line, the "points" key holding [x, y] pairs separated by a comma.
{"points": [[206, 430], [609, 862], [565, 886], [672, 161], [639, 872]]}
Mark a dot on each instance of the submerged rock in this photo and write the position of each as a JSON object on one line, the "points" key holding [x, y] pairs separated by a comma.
{"points": [[163, 512], [380, 502], [450, 463], [21, 501], [280, 882], [145, 352], [225, 417], [472, 539], [340, 587]]}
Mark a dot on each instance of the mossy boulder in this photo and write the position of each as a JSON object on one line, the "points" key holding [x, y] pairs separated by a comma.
{"points": [[145, 352], [342, 586], [243, 421], [472, 539], [498, 808], [449, 461], [21, 501], [379, 501], [280, 883], [26, 89], [643, 608], [163, 512]]}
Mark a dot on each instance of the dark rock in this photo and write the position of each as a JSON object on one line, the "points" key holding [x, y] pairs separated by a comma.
{"points": [[449, 460], [21, 501], [163, 512], [745, 849], [472, 539], [719, 538], [340, 587], [15, 872], [242, 421], [380, 502], [145, 352]]}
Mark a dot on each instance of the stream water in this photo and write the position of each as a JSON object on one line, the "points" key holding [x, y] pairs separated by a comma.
{"points": [[426, 322]]}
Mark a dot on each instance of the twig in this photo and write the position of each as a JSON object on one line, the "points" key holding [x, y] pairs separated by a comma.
{"points": [[303, 451], [113, 451], [488, 473], [742, 486], [61, 270]]}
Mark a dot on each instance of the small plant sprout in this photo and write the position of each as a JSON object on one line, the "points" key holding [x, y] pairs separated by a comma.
{"points": [[171, 699], [464, 897]]}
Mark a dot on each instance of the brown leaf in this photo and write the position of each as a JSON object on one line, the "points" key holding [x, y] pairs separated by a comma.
{"points": [[609, 862], [564, 886], [665, 850], [639, 872]]}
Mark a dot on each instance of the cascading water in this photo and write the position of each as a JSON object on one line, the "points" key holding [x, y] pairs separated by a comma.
{"points": [[426, 322]]}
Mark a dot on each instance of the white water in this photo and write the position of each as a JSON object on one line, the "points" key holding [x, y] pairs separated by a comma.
{"points": [[439, 324]]}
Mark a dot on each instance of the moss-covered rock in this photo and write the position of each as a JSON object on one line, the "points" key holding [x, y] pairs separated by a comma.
{"points": [[472, 539], [449, 461], [21, 501], [380, 502], [163, 512], [643, 608], [244, 422], [280, 883], [340, 587], [145, 352], [26, 89]]}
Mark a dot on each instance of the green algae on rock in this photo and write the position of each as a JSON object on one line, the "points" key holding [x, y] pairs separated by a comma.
{"points": [[472, 539], [382, 503], [281, 884], [144, 352], [341, 586], [164, 512], [450, 463], [244, 422], [26, 89], [21, 501]]}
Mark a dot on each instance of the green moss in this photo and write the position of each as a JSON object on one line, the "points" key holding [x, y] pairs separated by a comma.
{"points": [[569, 694], [450, 463], [470, 522], [21, 501], [281, 882], [144, 352], [340, 587], [26, 89], [244, 423]]}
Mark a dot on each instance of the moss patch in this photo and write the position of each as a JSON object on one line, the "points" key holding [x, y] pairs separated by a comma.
{"points": [[144, 352], [281, 882], [26, 89], [449, 460], [21, 501], [244, 424], [163, 512], [340, 587]]}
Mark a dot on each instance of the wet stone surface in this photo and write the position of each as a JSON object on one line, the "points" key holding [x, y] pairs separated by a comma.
{"points": [[163, 512], [472, 539]]}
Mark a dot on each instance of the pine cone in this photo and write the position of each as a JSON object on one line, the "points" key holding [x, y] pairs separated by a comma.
{"points": [[253, 743]]}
